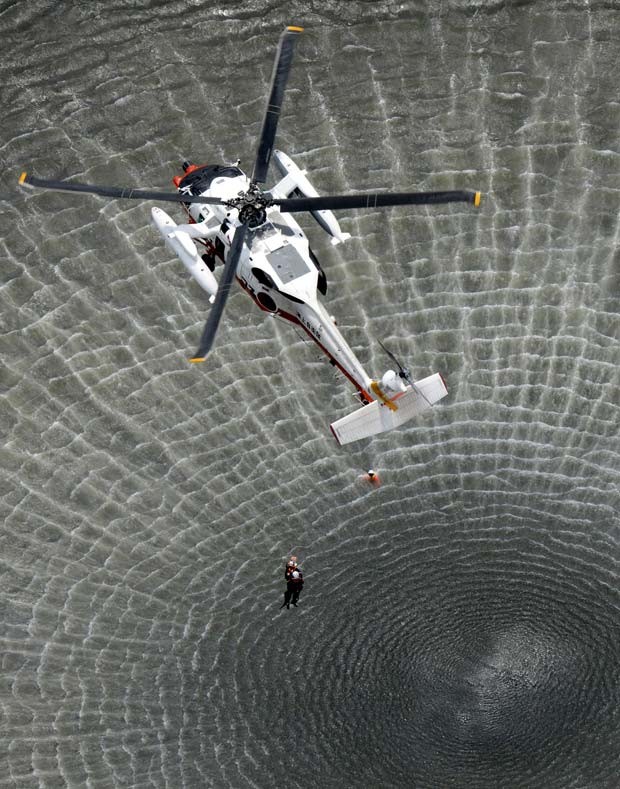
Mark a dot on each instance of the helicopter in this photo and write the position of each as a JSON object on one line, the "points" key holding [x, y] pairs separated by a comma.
{"points": [[231, 218]]}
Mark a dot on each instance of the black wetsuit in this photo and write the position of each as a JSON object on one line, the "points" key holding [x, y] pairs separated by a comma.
{"points": [[293, 589]]}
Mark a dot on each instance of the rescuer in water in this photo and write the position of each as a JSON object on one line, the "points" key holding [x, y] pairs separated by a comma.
{"points": [[371, 477], [294, 583], [291, 565]]}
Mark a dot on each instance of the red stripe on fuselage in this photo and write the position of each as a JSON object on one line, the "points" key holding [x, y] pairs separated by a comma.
{"points": [[294, 319]]}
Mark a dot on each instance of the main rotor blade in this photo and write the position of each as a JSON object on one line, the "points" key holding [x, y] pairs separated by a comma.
{"points": [[116, 191], [223, 289], [296, 204], [281, 69]]}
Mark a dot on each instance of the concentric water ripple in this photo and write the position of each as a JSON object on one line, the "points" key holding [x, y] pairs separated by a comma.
{"points": [[460, 625]]}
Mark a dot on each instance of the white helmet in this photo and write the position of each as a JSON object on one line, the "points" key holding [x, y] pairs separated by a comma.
{"points": [[295, 574]]}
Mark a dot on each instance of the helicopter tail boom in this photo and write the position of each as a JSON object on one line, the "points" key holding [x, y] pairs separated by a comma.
{"points": [[378, 417]]}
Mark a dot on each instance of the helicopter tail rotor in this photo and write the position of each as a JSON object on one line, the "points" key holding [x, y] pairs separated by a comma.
{"points": [[404, 373]]}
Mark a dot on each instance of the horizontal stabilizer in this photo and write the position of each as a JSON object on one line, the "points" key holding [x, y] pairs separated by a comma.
{"points": [[377, 418]]}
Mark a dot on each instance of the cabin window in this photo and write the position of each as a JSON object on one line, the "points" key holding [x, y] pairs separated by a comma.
{"points": [[265, 300], [263, 277]]}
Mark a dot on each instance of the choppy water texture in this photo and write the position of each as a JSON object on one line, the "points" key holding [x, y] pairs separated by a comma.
{"points": [[459, 626]]}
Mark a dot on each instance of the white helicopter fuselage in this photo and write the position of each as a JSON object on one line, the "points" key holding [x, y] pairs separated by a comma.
{"points": [[276, 268]]}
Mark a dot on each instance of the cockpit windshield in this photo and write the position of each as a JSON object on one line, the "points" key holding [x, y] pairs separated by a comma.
{"points": [[199, 180]]}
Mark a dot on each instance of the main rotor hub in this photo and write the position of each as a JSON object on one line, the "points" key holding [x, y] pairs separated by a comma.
{"points": [[251, 206], [252, 215]]}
